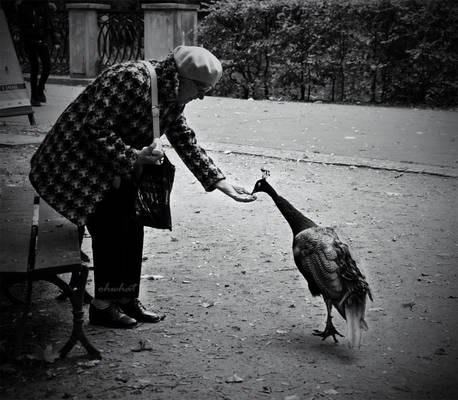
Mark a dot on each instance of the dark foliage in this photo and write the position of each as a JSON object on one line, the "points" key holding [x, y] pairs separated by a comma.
{"points": [[380, 51]]}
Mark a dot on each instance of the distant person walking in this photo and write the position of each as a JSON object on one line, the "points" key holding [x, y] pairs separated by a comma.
{"points": [[37, 33]]}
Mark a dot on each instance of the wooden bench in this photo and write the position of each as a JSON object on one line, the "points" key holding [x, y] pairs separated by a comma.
{"points": [[36, 243]]}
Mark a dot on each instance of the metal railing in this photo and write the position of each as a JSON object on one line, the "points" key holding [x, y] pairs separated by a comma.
{"points": [[120, 37], [60, 55]]}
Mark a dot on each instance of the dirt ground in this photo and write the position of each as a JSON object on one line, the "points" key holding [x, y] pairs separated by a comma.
{"points": [[239, 315]]}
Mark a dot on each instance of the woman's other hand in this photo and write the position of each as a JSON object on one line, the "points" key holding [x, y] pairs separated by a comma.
{"points": [[149, 154]]}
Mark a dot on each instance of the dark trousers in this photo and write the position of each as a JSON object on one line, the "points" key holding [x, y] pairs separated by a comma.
{"points": [[36, 52], [117, 244]]}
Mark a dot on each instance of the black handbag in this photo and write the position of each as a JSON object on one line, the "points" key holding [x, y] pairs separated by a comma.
{"points": [[155, 183], [153, 195]]}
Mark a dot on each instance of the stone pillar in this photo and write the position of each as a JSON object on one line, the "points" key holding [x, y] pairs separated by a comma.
{"points": [[168, 25], [83, 34]]}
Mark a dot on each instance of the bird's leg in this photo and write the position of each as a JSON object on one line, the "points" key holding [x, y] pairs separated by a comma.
{"points": [[330, 330]]}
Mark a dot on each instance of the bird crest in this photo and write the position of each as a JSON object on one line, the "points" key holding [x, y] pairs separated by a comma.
{"points": [[265, 173]]}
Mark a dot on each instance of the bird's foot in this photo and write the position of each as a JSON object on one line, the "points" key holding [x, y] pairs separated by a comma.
{"points": [[330, 330]]}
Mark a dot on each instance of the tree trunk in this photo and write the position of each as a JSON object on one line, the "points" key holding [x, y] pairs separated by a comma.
{"points": [[374, 69], [342, 83], [266, 75], [302, 86], [333, 88], [309, 82], [373, 86]]}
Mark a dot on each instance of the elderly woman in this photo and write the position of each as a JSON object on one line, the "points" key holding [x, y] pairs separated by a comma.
{"points": [[85, 167]]}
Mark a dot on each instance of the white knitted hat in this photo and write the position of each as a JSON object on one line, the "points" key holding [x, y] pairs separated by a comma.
{"points": [[198, 64]]}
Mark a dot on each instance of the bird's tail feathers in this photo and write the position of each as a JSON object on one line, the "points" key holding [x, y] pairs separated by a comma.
{"points": [[355, 309]]}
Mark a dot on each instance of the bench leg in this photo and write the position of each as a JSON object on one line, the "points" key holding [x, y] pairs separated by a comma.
{"points": [[25, 313], [73, 283], [76, 299]]}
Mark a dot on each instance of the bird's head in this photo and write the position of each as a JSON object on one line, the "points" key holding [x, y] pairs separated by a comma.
{"points": [[261, 185]]}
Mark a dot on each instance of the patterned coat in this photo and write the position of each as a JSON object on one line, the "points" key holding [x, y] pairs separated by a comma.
{"points": [[93, 139]]}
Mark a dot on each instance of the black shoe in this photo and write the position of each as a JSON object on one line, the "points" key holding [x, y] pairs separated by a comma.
{"points": [[84, 257], [111, 317], [41, 97], [137, 310], [35, 102]]}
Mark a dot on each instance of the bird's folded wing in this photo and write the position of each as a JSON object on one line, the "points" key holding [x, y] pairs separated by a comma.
{"points": [[352, 278]]}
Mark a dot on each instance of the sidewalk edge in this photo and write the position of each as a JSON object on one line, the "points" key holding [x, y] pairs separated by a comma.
{"points": [[328, 159], [64, 80]]}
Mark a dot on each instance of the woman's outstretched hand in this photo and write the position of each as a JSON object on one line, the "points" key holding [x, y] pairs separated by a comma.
{"points": [[238, 193]]}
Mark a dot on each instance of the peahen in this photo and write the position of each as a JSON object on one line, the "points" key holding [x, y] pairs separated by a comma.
{"points": [[327, 265]]}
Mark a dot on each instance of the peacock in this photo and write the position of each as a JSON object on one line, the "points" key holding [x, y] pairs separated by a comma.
{"points": [[328, 267]]}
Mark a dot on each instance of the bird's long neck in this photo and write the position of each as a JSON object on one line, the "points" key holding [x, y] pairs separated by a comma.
{"points": [[297, 221]]}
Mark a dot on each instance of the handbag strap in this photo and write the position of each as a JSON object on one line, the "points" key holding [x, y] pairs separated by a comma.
{"points": [[154, 101]]}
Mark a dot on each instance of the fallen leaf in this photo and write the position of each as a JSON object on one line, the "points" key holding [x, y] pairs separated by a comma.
{"points": [[152, 277], [50, 375], [143, 345], [144, 382], [281, 331], [409, 305], [440, 352], [401, 388], [331, 391], [266, 389], [48, 354], [234, 379], [7, 369], [293, 397], [88, 364]]}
